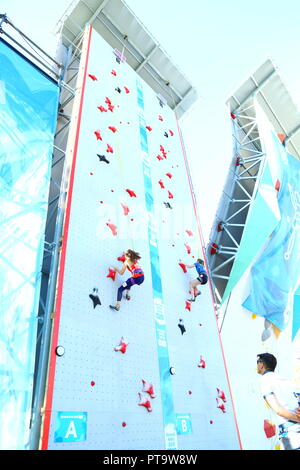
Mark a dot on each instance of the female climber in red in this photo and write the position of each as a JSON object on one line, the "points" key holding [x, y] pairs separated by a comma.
{"points": [[131, 263]]}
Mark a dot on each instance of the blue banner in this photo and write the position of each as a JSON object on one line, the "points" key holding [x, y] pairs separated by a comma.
{"points": [[276, 274], [28, 112]]}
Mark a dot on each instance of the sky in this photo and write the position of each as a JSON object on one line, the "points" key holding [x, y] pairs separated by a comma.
{"points": [[217, 45]]}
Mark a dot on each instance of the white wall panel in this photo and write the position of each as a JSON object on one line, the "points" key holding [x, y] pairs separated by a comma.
{"points": [[89, 334]]}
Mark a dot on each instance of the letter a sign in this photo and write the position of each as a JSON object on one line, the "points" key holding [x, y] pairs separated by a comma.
{"points": [[70, 426]]}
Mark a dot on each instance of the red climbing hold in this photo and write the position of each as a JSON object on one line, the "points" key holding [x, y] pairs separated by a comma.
{"points": [[109, 149], [170, 195], [232, 115], [160, 118], [221, 405], [126, 89], [92, 77], [161, 184], [122, 346], [148, 388], [121, 258], [159, 157], [113, 72], [188, 248], [214, 248], [149, 128], [171, 132], [202, 363], [277, 185], [164, 154], [131, 193], [125, 209], [113, 129], [111, 274], [102, 109], [161, 148], [169, 175], [98, 135], [107, 100], [183, 266], [188, 305], [93, 383], [110, 107], [189, 232], [113, 228], [269, 428], [221, 395], [123, 424], [144, 401]]}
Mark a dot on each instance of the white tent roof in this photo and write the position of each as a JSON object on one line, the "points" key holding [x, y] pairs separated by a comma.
{"points": [[119, 26], [267, 86]]}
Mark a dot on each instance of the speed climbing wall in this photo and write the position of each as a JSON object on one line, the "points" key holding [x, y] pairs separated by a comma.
{"points": [[152, 375]]}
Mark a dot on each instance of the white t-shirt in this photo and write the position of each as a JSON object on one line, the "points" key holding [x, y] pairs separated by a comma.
{"points": [[271, 382]]}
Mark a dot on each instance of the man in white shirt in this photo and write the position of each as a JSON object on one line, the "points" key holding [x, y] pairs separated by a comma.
{"points": [[280, 396]]}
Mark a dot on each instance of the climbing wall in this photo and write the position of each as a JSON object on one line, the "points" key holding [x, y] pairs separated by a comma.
{"points": [[111, 386]]}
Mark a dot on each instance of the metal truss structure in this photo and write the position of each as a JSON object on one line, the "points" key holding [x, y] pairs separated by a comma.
{"points": [[238, 194]]}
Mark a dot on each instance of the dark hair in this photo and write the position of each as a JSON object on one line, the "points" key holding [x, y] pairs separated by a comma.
{"points": [[268, 360], [200, 260], [133, 255]]}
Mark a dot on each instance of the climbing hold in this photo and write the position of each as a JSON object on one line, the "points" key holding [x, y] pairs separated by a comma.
{"points": [[232, 115], [165, 134], [190, 392], [118, 89], [148, 388], [221, 405], [131, 193], [171, 132], [170, 195], [98, 135], [95, 298], [110, 107], [112, 273], [277, 185], [160, 118], [102, 158], [107, 100], [168, 205], [113, 72], [188, 305], [109, 149], [189, 232], [126, 89], [221, 395], [202, 363], [159, 157], [169, 175], [121, 258], [122, 346], [214, 248], [269, 428], [220, 227], [144, 401], [102, 109], [91, 173], [93, 383], [188, 248], [183, 266], [113, 129], [149, 128], [181, 326], [125, 209], [59, 351], [113, 228], [93, 77], [123, 424], [161, 184], [161, 148]]}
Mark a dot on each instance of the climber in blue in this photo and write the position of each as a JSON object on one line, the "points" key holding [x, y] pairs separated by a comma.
{"points": [[201, 279]]}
